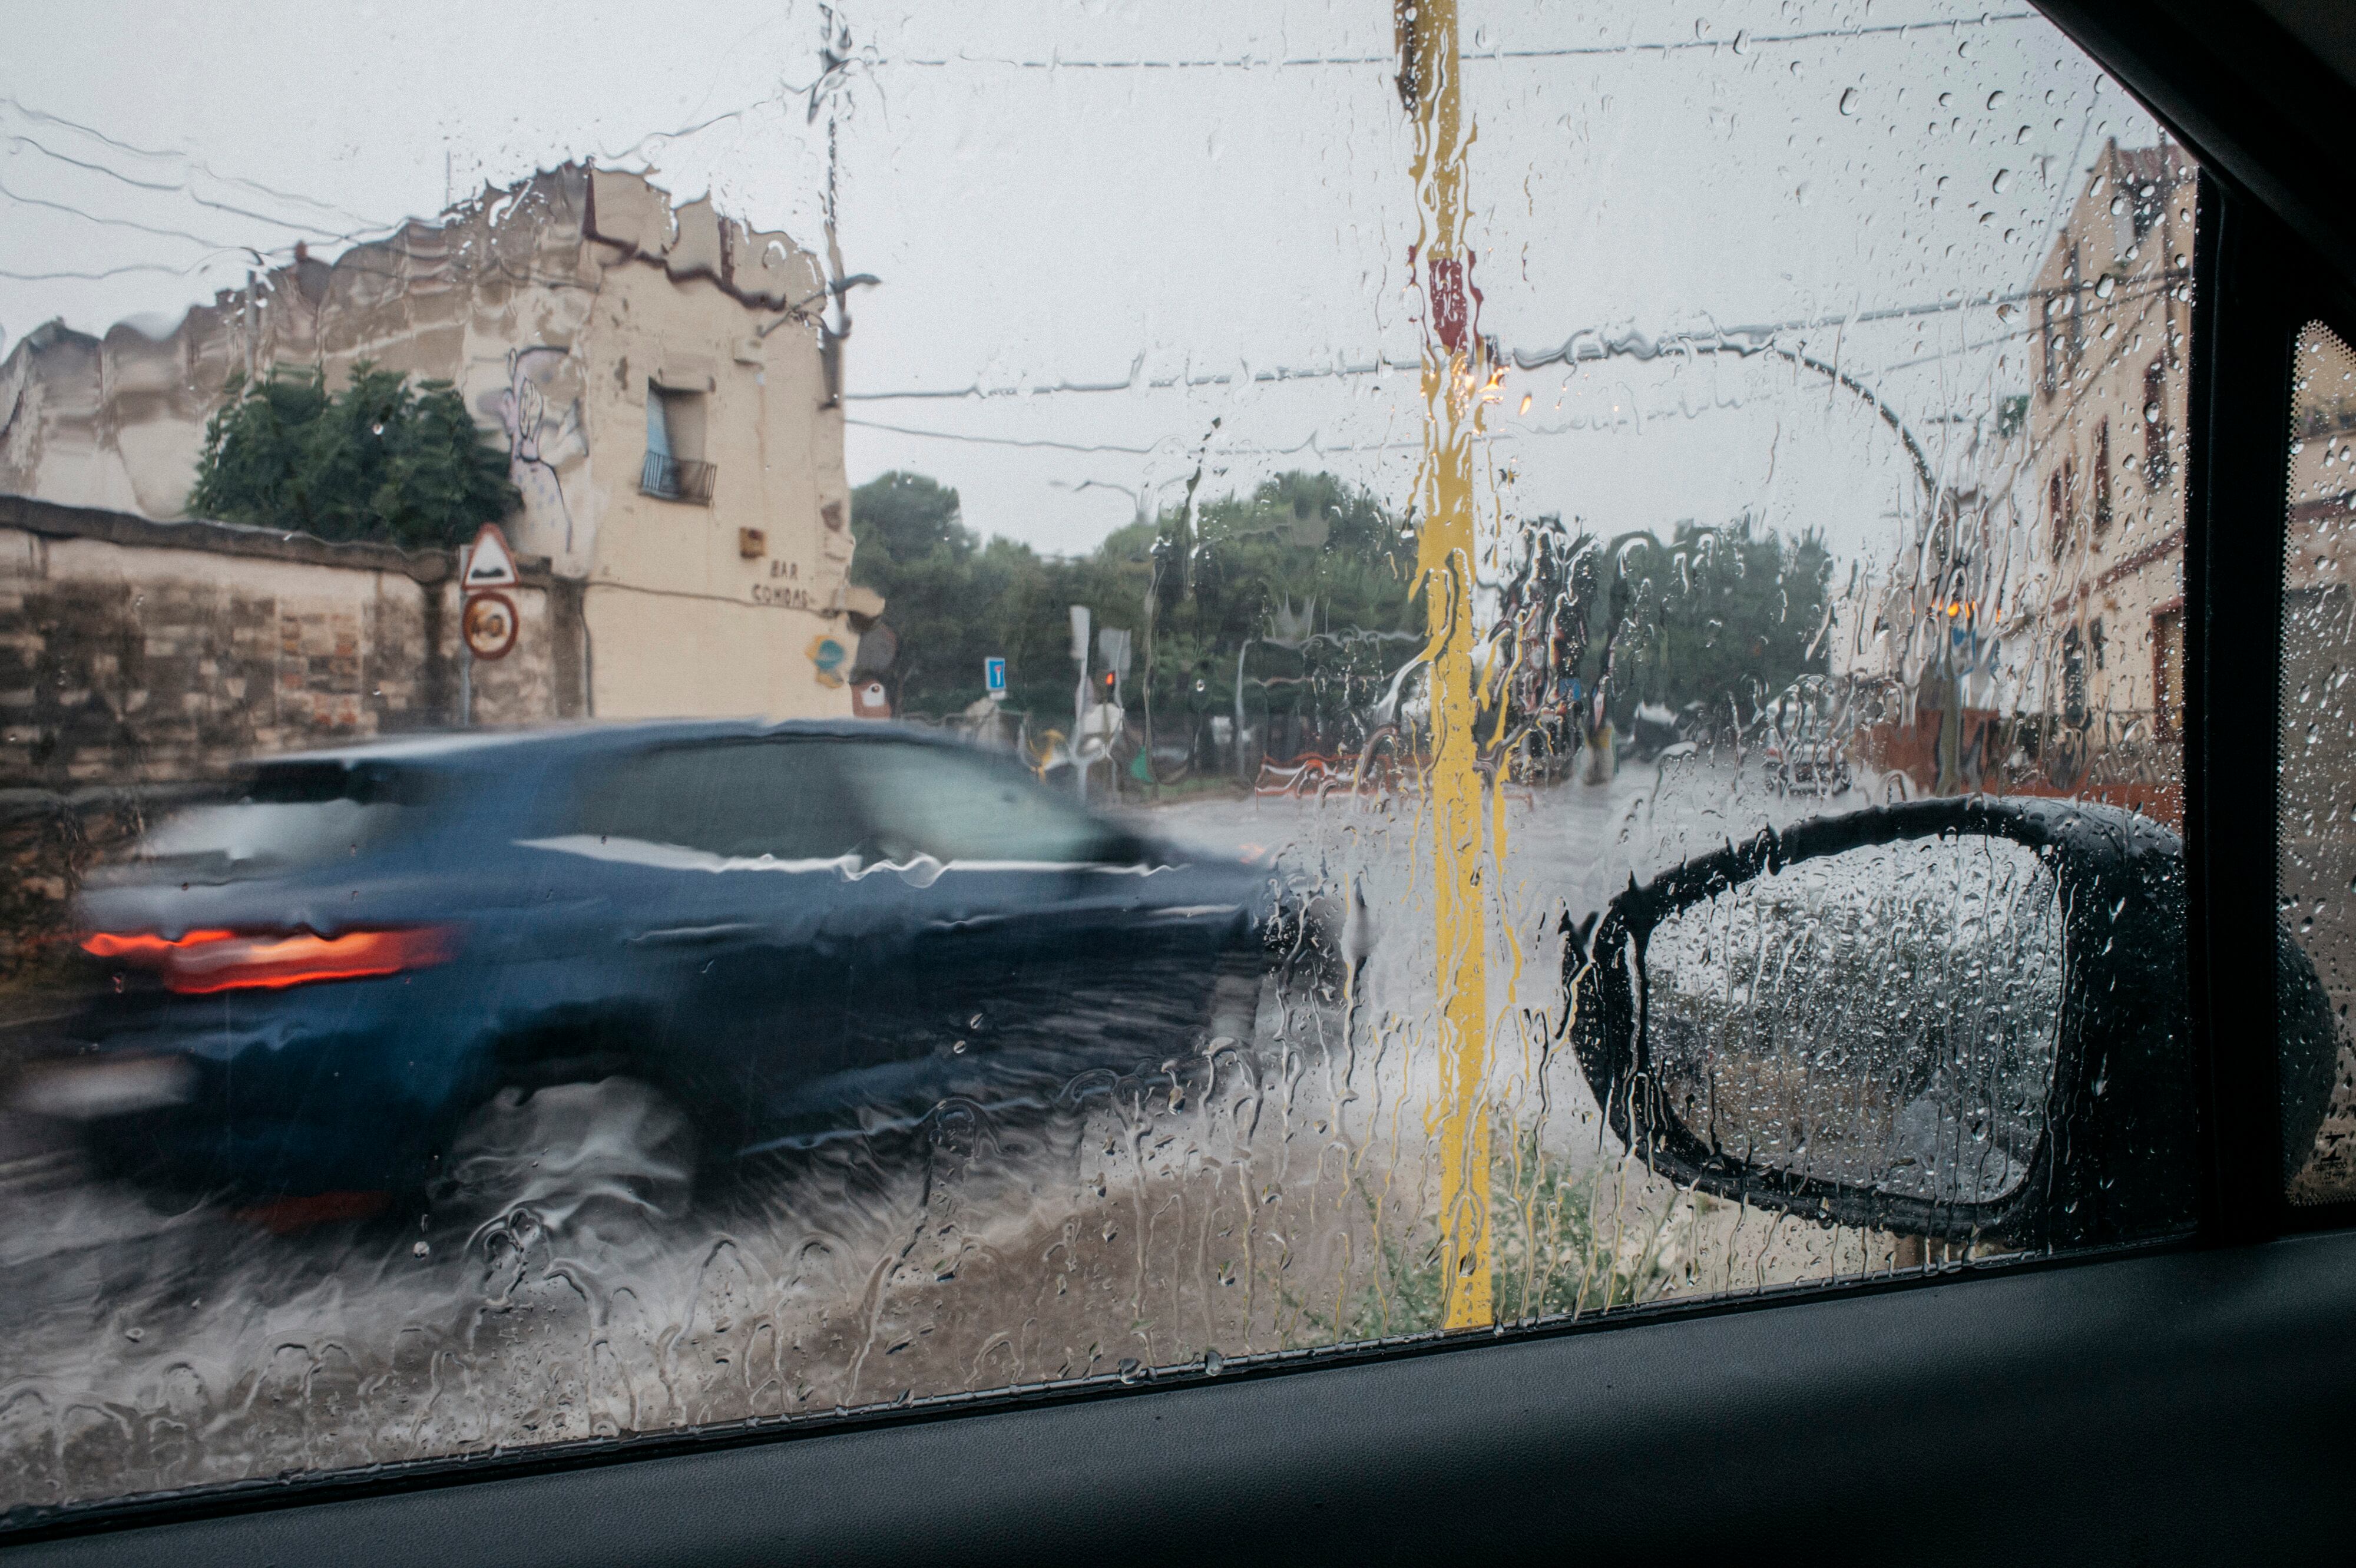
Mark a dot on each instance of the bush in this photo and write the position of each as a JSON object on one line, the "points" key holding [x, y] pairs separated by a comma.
{"points": [[380, 461]]}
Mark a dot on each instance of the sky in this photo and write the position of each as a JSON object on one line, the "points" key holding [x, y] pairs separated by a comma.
{"points": [[1116, 241]]}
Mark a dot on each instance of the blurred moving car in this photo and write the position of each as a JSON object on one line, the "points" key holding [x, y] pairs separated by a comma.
{"points": [[688, 942]]}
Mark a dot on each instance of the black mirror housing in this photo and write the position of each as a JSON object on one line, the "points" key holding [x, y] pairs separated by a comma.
{"points": [[2114, 1160]]}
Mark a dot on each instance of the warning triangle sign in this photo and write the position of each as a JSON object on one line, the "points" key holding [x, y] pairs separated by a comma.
{"points": [[489, 564]]}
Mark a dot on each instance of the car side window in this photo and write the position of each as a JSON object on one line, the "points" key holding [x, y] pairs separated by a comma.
{"points": [[2317, 812], [956, 806], [741, 800]]}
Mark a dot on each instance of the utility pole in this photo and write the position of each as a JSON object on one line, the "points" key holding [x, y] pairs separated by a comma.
{"points": [[1455, 370], [1242, 777], [252, 314], [1080, 696], [834, 60]]}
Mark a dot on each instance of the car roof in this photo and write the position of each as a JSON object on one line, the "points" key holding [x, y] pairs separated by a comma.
{"points": [[595, 737]]}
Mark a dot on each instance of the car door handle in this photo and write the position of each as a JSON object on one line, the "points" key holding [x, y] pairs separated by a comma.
{"points": [[689, 936]]}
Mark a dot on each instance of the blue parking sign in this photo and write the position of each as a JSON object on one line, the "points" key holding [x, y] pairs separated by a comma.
{"points": [[993, 675]]}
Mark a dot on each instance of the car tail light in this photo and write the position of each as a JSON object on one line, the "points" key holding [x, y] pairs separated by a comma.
{"points": [[204, 961]]}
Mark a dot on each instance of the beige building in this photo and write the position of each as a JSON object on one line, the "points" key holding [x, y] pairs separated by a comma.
{"points": [[660, 378], [2031, 639], [2103, 614]]}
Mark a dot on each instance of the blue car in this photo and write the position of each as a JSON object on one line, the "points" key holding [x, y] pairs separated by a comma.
{"points": [[720, 939]]}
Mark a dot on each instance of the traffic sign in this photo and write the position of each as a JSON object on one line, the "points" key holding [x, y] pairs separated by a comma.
{"points": [[489, 564], [489, 624], [830, 656], [993, 676]]}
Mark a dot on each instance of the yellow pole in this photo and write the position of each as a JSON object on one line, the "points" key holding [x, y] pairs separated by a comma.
{"points": [[1453, 376]]}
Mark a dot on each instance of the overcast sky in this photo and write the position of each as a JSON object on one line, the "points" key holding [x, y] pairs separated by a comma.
{"points": [[1110, 195]]}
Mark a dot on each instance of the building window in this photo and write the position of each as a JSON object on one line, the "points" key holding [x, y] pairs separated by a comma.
{"points": [[2073, 680], [2061, 504], [2167, 670], [2072, 277], [2157, 469], [2050, 374], [2102, 476], [675, 469]]}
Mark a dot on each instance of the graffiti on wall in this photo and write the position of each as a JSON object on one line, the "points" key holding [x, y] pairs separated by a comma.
{"points": [[547, 443]]}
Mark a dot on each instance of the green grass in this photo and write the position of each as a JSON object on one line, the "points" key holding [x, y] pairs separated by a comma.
{"points": [[1562, 1243]]}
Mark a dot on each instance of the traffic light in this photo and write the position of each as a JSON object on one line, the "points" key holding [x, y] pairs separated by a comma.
{"points": [[1108, 683]]}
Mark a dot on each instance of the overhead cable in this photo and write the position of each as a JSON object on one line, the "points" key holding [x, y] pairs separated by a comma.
{"points": [[1738, 44]]}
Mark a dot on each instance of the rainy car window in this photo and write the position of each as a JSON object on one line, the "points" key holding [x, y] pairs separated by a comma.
{"points": [[740, 802], [2316, 817], [930, 800], [739, 715]]}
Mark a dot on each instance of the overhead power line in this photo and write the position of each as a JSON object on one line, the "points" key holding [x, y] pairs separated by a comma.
{"points": [[1586, 344], [1740, 43], [24, 200], [184, 159], [1740, 342], [101, 274], [183, 186], [1310, 444]]}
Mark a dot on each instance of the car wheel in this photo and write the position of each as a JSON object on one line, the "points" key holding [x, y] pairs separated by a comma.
{"points": [[571, 1155]]}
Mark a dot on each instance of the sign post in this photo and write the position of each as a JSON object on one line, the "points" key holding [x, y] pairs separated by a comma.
{"points": [[1079, 696], [487, 621], [489, 564]]}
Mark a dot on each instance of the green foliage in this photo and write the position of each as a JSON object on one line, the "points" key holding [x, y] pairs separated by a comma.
{"points": [[1204, 586], [954, 600], [1298, 541], [1723, 615], [377, 460], [1562, 1242]]}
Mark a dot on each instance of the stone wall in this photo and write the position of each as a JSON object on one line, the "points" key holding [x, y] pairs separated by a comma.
{"points": [[140, 660]]}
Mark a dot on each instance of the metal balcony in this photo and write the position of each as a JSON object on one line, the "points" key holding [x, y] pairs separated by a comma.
{"points": [[678, 480]]}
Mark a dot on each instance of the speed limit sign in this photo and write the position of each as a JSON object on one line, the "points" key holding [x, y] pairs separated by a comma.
{"points": [[489, 624]]}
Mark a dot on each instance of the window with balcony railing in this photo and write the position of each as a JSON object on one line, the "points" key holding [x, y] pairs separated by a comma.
{"points": [[678, 478]]}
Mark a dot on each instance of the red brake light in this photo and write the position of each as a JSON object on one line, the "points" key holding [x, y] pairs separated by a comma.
{"points": [[146, 946], [204, 961]]}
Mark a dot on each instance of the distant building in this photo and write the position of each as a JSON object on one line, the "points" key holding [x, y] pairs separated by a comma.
{"points": [[2106, 450], [2030, 640], [660, 379]]}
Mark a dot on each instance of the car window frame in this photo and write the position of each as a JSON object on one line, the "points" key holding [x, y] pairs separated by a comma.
{"points": [[2275, 249]]}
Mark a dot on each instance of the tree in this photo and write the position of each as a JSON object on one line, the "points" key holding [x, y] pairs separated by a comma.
{"points": [[1727, 617], [1214, 579], [377, 460], [941, 586]]}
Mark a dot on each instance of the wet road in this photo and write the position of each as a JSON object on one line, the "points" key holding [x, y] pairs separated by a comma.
{"points": [[1253, 1197]]}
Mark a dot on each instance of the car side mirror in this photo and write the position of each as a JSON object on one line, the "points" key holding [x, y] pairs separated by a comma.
{"points": [[1949, 1018]]}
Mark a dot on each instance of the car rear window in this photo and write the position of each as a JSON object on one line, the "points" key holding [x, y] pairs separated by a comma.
{"points": [[282, 817]]}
